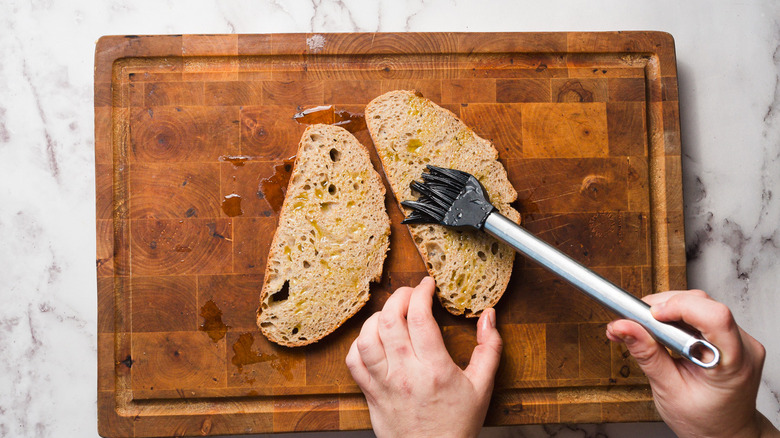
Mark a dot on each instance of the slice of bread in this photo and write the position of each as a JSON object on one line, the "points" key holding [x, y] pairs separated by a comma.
{"points": [[471, 268], [331, 241]]}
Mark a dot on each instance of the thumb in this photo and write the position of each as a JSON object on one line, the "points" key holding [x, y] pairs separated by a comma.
{"points": [[651, 356], [487, 354]]}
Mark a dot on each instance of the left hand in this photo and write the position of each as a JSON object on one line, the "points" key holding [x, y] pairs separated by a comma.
{"points": [[411, 384]]}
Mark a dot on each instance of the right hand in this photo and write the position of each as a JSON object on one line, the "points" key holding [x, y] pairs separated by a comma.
{"points": [[717, 402]]}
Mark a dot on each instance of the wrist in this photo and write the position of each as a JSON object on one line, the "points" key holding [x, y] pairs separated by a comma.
{"points": [[765, 427], [759, 427], [756, 426]]}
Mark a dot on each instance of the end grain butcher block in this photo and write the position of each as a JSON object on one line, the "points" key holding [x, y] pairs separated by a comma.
{"points": [[192, 133]]}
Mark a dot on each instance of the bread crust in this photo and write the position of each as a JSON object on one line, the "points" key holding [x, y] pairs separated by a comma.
{"points": [[471, 268], [331, 240]]}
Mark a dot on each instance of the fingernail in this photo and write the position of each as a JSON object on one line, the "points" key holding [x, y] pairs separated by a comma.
{"points": [[492, 318], [629, 339], [427, 278], [609, 327], [655, 308]]}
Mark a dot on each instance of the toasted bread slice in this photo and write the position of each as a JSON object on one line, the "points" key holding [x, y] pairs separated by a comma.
{"points": [[331, 241], [471, 268]]}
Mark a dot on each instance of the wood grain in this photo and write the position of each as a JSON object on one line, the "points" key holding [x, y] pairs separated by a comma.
{"points": [[163, 304], [160, 191], [523, 90], [269, 132], [166, 134], [175, 247], [565, 130], [499, 123], [586, 124], [177, 360], [580, 90], [230, 293]]}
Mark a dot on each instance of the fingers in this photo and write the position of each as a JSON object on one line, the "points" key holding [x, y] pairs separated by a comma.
{"points": [[756, 349], [711, 318], [356, 366], [393, 330], [649, 354], [423, 330], [487, 354], [664, 296], [370, 349]]}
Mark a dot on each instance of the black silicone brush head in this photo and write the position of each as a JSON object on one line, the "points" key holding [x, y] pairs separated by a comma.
{"points": [[449, 197]]}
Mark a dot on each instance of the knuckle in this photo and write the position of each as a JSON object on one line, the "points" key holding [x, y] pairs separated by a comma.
{"points": [[439, 380], [675, 299], [699, 293], [644, 355], [760, 353], [387, 320], [418, 319], [494, 345], [402, 350], [435, 383], [364, 344], [721, 315], [490, 348], [498, 344]]}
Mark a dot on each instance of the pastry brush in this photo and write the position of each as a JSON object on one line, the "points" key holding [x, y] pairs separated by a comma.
{"points": [[455, 198]]}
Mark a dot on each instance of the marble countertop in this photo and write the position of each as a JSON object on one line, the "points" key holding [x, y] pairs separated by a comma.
{"points": [[728, 55]]}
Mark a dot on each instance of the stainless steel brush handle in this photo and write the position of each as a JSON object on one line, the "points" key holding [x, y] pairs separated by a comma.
{"points": [[606, 293]]}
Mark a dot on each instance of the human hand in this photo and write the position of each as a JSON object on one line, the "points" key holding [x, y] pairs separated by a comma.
{"points": [[693, 401], [412, 386]]}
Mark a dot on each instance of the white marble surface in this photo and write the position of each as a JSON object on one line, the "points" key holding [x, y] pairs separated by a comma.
{"points": [[729, 77]]}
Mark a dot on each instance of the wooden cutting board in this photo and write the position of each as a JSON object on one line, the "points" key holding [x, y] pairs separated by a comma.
{"points": [[189, 130]]}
